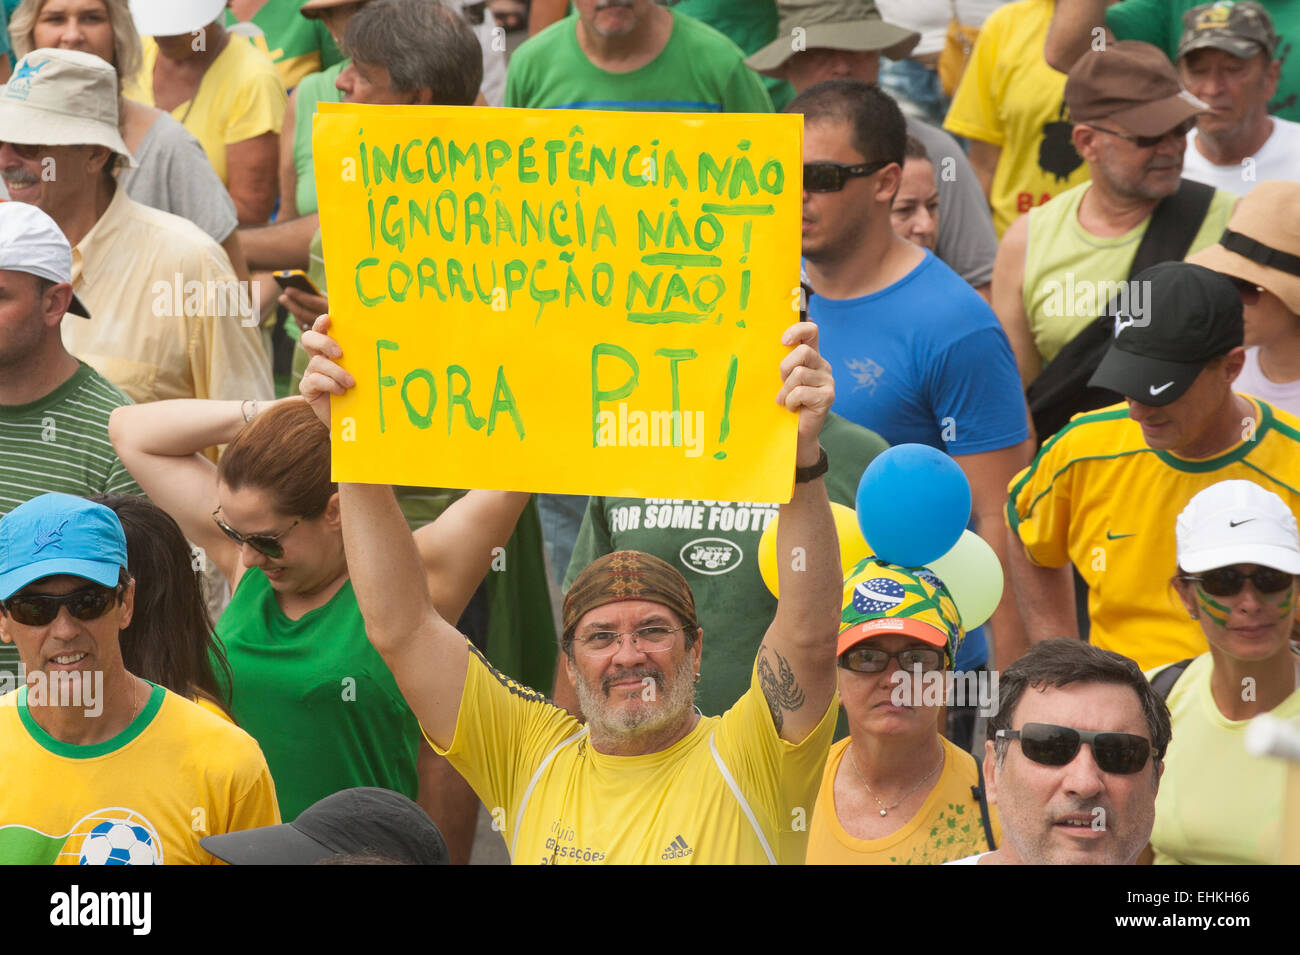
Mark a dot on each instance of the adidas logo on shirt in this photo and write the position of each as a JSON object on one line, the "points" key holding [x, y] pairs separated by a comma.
{"points": [[677, 849]]}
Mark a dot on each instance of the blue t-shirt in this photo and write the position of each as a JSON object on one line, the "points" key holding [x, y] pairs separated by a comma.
{"points": [[925, 361]]}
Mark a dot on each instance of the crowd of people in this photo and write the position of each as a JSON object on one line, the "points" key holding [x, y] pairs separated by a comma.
{"points": [[1054, 246]]}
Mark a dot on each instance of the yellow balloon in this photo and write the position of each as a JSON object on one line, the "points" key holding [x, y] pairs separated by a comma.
{"points": [[852, 546]]}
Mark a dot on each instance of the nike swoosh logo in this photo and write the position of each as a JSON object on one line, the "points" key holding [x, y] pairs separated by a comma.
{"points": [[1155, 391], [1239, 523], [1115, 537]]}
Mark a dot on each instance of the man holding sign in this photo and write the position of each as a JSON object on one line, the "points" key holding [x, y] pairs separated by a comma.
{"points": [[648, 779]]}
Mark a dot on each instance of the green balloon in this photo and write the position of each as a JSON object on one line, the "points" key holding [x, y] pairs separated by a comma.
{"points": [[973, 576]]}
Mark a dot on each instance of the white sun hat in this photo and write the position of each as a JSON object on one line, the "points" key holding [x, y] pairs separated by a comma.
{"points": [[1237, 522], [174, 17]]}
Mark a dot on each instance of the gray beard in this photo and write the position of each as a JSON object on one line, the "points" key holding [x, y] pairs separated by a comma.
{"points": [[671, 706]]}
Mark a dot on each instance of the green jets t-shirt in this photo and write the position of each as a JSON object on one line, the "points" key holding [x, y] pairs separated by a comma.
{"points": [[698, 71], [1160, 23], [715, 545], [316, 696]]}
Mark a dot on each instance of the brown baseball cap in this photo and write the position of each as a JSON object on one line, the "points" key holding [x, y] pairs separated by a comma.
{"points": [[1131, 83], [1243, 29]]}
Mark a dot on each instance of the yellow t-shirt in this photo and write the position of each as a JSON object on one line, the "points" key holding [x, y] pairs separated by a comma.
{"points": [[947, 826], [1011, 98], [1070, 273], [1218, 804], [1097, 496], [731, 791], [240, 97], [174, 775]]}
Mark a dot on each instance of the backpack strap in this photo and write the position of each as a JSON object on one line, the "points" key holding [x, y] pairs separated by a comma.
{"points": [[977, 792], [1163, 682], [1174, 225]]}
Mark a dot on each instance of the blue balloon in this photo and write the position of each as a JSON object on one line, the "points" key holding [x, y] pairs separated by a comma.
{"points": [[913, 504]]}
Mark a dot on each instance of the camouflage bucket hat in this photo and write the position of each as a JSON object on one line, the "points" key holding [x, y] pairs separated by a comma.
{"points": [[1242, 29], [882, 598]]}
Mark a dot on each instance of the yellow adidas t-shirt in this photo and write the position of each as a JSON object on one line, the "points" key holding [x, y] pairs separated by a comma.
{"points": [[1011, 98], [1217, 805], [147, 796], [1097, 496], [946, 827], [239, 98], [731, 791]]}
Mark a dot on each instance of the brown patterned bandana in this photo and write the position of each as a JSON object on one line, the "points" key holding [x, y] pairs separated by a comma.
{"points": [[627, 575]]}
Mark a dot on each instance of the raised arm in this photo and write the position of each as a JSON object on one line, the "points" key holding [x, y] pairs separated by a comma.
{"points": [[161, 444], [425, 653], [1071, 31], [796, 662]]}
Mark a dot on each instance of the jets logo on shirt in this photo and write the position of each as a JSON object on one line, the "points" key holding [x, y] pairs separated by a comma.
{"points": [[877, 595]]}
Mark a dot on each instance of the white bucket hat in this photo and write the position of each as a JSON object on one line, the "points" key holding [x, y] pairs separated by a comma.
{"points": [[62, 98], [1237, 522], [174, 17]]}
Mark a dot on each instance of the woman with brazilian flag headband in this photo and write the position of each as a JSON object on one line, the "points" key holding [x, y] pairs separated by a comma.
{"points": [[895, 791], [1238, 556]]}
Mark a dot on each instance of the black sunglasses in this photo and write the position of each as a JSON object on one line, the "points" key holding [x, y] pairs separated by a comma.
{"points": [[831, 176], [268, 544], [1051, 745], [1146, 142], [37, 610], [862, 659], [1228, 581], [27, 150]]}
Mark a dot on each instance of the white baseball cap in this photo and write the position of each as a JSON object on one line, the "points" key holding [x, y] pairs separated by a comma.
{"points": [[30, 241], [174, 17], [1237, 522], [62, 98]]}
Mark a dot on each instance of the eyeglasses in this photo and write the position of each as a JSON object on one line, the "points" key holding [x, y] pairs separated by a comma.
{"points": [[1051, 745], [1228, 581], [26, 150], [37, 610], [1146, 142], [871, 660], [605, 643], [268, 544], [831, 176], [1249, 291]]}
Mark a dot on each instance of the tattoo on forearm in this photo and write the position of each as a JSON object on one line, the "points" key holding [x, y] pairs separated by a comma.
{"points": [[779, 688]]}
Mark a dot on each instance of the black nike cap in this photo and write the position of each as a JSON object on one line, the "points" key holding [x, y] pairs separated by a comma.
{"points": [[1178, 318]]}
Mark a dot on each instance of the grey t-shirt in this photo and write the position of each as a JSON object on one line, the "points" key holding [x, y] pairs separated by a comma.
{"points": [[967, 243], [173, 174]]}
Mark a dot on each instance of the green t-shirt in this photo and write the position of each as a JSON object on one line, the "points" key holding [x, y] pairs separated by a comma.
{"points": [[296, 45], [316, 88], [698, 71], [715, 545], [1160, 23], [751, 25], [316, 696]]}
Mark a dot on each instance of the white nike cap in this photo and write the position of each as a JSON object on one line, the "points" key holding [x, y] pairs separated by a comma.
{"points": [[1237, 522]]}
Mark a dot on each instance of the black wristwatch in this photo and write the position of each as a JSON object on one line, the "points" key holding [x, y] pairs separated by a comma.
{"points": [[804, 475]]}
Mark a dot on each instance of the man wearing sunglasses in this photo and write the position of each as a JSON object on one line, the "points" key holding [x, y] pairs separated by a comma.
{"points": [[1073, 758], [1104, 493], [1060, 262], [98, 766]]}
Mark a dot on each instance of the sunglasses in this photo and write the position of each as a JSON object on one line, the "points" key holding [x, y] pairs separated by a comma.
{"points": [[1249, 291], [871, 660], [1146, 142], [268, 544], [26, 150], [37, 610], [1228, 581], [1051, 745], [831, 176]]}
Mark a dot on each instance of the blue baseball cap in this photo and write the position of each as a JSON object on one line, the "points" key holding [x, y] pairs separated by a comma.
{"points": [[60, 534]]}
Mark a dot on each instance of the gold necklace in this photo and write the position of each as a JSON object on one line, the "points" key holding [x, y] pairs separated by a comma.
{"points": [[883, 808]]}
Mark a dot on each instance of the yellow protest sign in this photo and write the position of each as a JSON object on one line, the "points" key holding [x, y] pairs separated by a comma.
{"points": [[562, 300]]}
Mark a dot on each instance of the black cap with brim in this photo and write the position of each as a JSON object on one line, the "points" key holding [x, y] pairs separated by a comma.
{"points": [[361, 821], [1148, 381]]}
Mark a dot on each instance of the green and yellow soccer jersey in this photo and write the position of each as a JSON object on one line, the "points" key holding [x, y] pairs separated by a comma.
{"points": [[147, 796], [1098, 497]]}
